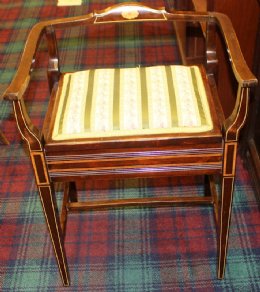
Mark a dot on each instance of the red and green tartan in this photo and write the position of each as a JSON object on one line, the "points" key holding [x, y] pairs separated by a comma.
{"points": [[164, 249]]}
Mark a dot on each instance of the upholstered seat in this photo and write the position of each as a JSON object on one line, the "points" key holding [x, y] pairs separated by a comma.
{"points": [[132, 101]]}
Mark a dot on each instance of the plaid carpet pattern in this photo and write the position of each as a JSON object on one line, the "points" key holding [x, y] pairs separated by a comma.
{"points": [[163, 249]]}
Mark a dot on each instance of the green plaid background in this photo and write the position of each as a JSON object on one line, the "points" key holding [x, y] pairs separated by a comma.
{"points": [[165, 249]]}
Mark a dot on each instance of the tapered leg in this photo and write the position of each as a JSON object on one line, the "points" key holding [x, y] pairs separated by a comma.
{"points": [[225, 215], [229, 167], [53, 223], [44, 184], [47, 195]]}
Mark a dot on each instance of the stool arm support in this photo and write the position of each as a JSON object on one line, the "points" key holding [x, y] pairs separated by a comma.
{"points": [[242, 73], [21, 80], [19, 84]]}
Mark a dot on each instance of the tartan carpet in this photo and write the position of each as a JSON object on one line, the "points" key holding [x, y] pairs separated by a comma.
{"points": [[164, 249]]}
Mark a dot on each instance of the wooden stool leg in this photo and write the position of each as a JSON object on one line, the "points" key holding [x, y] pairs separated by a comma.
{"points": [[70, 194], [53, 222], [229, 168], [48, 200], [225, 215], [45, 186]]}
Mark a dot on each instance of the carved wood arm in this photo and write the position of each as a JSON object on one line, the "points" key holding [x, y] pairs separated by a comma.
{"points": [[21, 79], [239, 66], [242, 73]]}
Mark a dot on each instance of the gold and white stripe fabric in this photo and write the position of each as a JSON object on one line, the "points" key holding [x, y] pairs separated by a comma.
{"points": [[132, 101], [69, 2]]}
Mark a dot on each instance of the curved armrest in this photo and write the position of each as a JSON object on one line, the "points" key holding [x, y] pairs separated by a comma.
{"points": [[243, 75], [21, 79], [239, 66]]}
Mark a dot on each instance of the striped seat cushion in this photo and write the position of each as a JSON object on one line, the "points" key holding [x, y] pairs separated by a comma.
{"points": [[132, 101]]}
